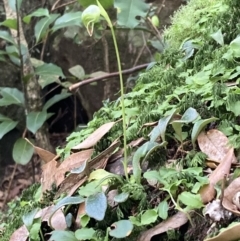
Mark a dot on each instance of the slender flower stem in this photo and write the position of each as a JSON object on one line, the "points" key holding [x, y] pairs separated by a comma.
{"points": [[125, 161]]}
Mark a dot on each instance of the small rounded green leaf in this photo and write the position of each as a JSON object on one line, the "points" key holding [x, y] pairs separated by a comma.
{"points": [[150, 216], [121, 229], [35, 120], [7, 126], [61, 235], [11, 96], [198, 126], [77, 71], [85, 233], [155, 21], [96, 206], [163, 209], [22, 151], [90, 16], [191, 200]]}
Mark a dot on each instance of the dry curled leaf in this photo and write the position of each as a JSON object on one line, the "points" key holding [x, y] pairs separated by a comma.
{"points": [[215, 145], [20, 234], [94, 137], [208, 192], [71, 162], [229, 193], [173, 222], [231, 233], [45, 155]]}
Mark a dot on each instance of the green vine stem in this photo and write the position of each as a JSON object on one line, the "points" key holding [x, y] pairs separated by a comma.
{"points": [[90, 18]]}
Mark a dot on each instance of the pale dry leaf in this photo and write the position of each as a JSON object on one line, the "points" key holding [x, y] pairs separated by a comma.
{"points": [[173, 222], [229, 194], [80, 213], [94, 137], [71, 162], [45, 155], [228, 234], [215, 145], [58, 220], [74, 181], [20, 234], [48, 171], [208, 192]]}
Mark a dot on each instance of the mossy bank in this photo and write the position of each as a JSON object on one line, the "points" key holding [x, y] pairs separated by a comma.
{"points": [[199, 68]]}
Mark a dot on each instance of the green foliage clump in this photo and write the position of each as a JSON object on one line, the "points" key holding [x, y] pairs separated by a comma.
{"points": [[12, 220]]}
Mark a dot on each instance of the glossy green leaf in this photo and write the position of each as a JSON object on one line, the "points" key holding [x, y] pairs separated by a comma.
{"points": [[34, 231], [49, 69], [198, 126], [218, 37], [130, 11], [98, 174], [84, 220], [191, 200], [42, 26], [10, 23], [29, 218], [55, 99], [4, 118], [121, 229], [35, 120], [96, 206], [66, 201], [22, 151], [40, 12], [189, 116], [60, 235], [122, 197], [13, 54], [235, 47], [90, 188], [163, 209], [150, 216], [152, 175], [68, 19], [77, 71], [6, 36], [105, 3], [160, 129], [11, 96], [85, 233], [7, 126], [138, 155]]}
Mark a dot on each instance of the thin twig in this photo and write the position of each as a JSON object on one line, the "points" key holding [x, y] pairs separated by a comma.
{"points": [[64, 5], [10, 184], [107, 76]]}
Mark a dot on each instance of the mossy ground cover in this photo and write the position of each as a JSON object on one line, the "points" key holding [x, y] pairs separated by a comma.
{"points": [[199, 69]]}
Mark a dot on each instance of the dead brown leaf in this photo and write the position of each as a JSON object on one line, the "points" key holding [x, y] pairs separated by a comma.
{"points": [[58, 220], [20, 234], [173, 222], [48, 171], [74, 181], [208, 192], [94, 137], [228, 234], [214, 144], [229, 193], [73, 161], [45, 155]]}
